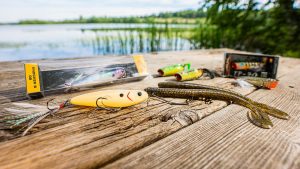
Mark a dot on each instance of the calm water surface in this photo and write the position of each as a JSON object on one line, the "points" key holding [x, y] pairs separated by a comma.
{"points": [[24, 42]]}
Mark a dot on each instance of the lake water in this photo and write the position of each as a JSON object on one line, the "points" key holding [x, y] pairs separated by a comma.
{"points": [[24, 42]]}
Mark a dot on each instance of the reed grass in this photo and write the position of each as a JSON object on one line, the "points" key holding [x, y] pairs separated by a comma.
{"points": [[140, 40]]}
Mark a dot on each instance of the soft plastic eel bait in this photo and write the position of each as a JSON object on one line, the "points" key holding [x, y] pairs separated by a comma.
{"points": [[257, 115], [265, 108], [29, 114]]}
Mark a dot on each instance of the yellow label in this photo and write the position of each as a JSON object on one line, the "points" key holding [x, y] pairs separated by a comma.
{"points": [[32, 78], [141, 65]]}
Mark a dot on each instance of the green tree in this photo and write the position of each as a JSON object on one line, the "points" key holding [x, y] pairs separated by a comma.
{"points": [[270, 27]]}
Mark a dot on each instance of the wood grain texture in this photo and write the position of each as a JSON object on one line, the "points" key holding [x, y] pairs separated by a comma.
{"points": [[12, 84], [78, 138], [108, 136], [227, 140]]}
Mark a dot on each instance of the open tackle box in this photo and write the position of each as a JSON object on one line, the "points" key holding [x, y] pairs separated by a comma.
{"points": [[43, 82], [255, 65]]}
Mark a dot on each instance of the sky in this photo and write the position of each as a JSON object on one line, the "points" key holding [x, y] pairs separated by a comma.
{"points": [[15, 10]]}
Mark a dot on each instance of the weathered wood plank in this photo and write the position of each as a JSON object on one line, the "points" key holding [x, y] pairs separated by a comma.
{"points": [[76, 141], [108, 137], [227, 140]]}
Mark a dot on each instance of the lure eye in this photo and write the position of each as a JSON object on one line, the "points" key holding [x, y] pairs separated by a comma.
{"points": [[139, 93], [121, 95]]}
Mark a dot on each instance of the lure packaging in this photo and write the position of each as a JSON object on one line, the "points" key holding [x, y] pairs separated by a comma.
{"points": [[254, 65], [41, 81]]}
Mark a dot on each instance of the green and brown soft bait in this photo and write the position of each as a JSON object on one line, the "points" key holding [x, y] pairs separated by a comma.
{"points": [[258, 113], [260, 82]]}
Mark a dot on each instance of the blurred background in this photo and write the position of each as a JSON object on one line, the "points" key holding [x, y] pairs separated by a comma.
{"points": [[37, 29]]}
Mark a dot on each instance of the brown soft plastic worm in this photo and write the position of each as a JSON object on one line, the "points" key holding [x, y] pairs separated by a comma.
{"points": [[256, 115], [265, 108]]}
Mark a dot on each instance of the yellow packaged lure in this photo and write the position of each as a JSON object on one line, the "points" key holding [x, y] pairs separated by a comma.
{"points": [[28, 114]]}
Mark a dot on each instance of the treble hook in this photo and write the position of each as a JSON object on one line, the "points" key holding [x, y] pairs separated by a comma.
{"points": [[105, 108], [101, 102], [48, 105]]}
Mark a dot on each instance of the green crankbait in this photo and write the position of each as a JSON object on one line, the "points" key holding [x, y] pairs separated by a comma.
{"points": [[173, 69]]}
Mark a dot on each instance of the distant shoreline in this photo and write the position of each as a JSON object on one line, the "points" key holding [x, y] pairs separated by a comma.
{"points": [[155, 21], [180, 17]]}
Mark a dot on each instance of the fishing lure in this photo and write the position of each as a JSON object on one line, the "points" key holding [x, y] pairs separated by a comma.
{"points": [[260, 82], [29, 114], [258, 114], [189, 75], [173, 69], [194, 74], [247, 65], [103, 75], [267, 109]]}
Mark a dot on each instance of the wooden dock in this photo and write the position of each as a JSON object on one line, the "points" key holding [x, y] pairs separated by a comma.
{"points": [[142, 137]]}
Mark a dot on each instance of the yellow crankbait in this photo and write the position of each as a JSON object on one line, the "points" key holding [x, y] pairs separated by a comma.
{"points": [[110, 98], [28, 115], [189, 75]]}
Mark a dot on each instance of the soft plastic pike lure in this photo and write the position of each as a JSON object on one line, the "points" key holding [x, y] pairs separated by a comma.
{"points": [[268, 109], [258, 114], [29, 114]]}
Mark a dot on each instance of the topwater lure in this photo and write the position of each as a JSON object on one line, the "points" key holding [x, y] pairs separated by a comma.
{"points": [[173, 69], [258, 114], [29, 115], [260, 82]]}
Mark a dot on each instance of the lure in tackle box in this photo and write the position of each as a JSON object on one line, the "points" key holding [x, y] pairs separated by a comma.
{"points": [[247, 65], [28, 115]]}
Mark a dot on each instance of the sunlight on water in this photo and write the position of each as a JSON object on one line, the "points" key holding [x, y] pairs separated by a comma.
{"points": [[25, 42]]}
